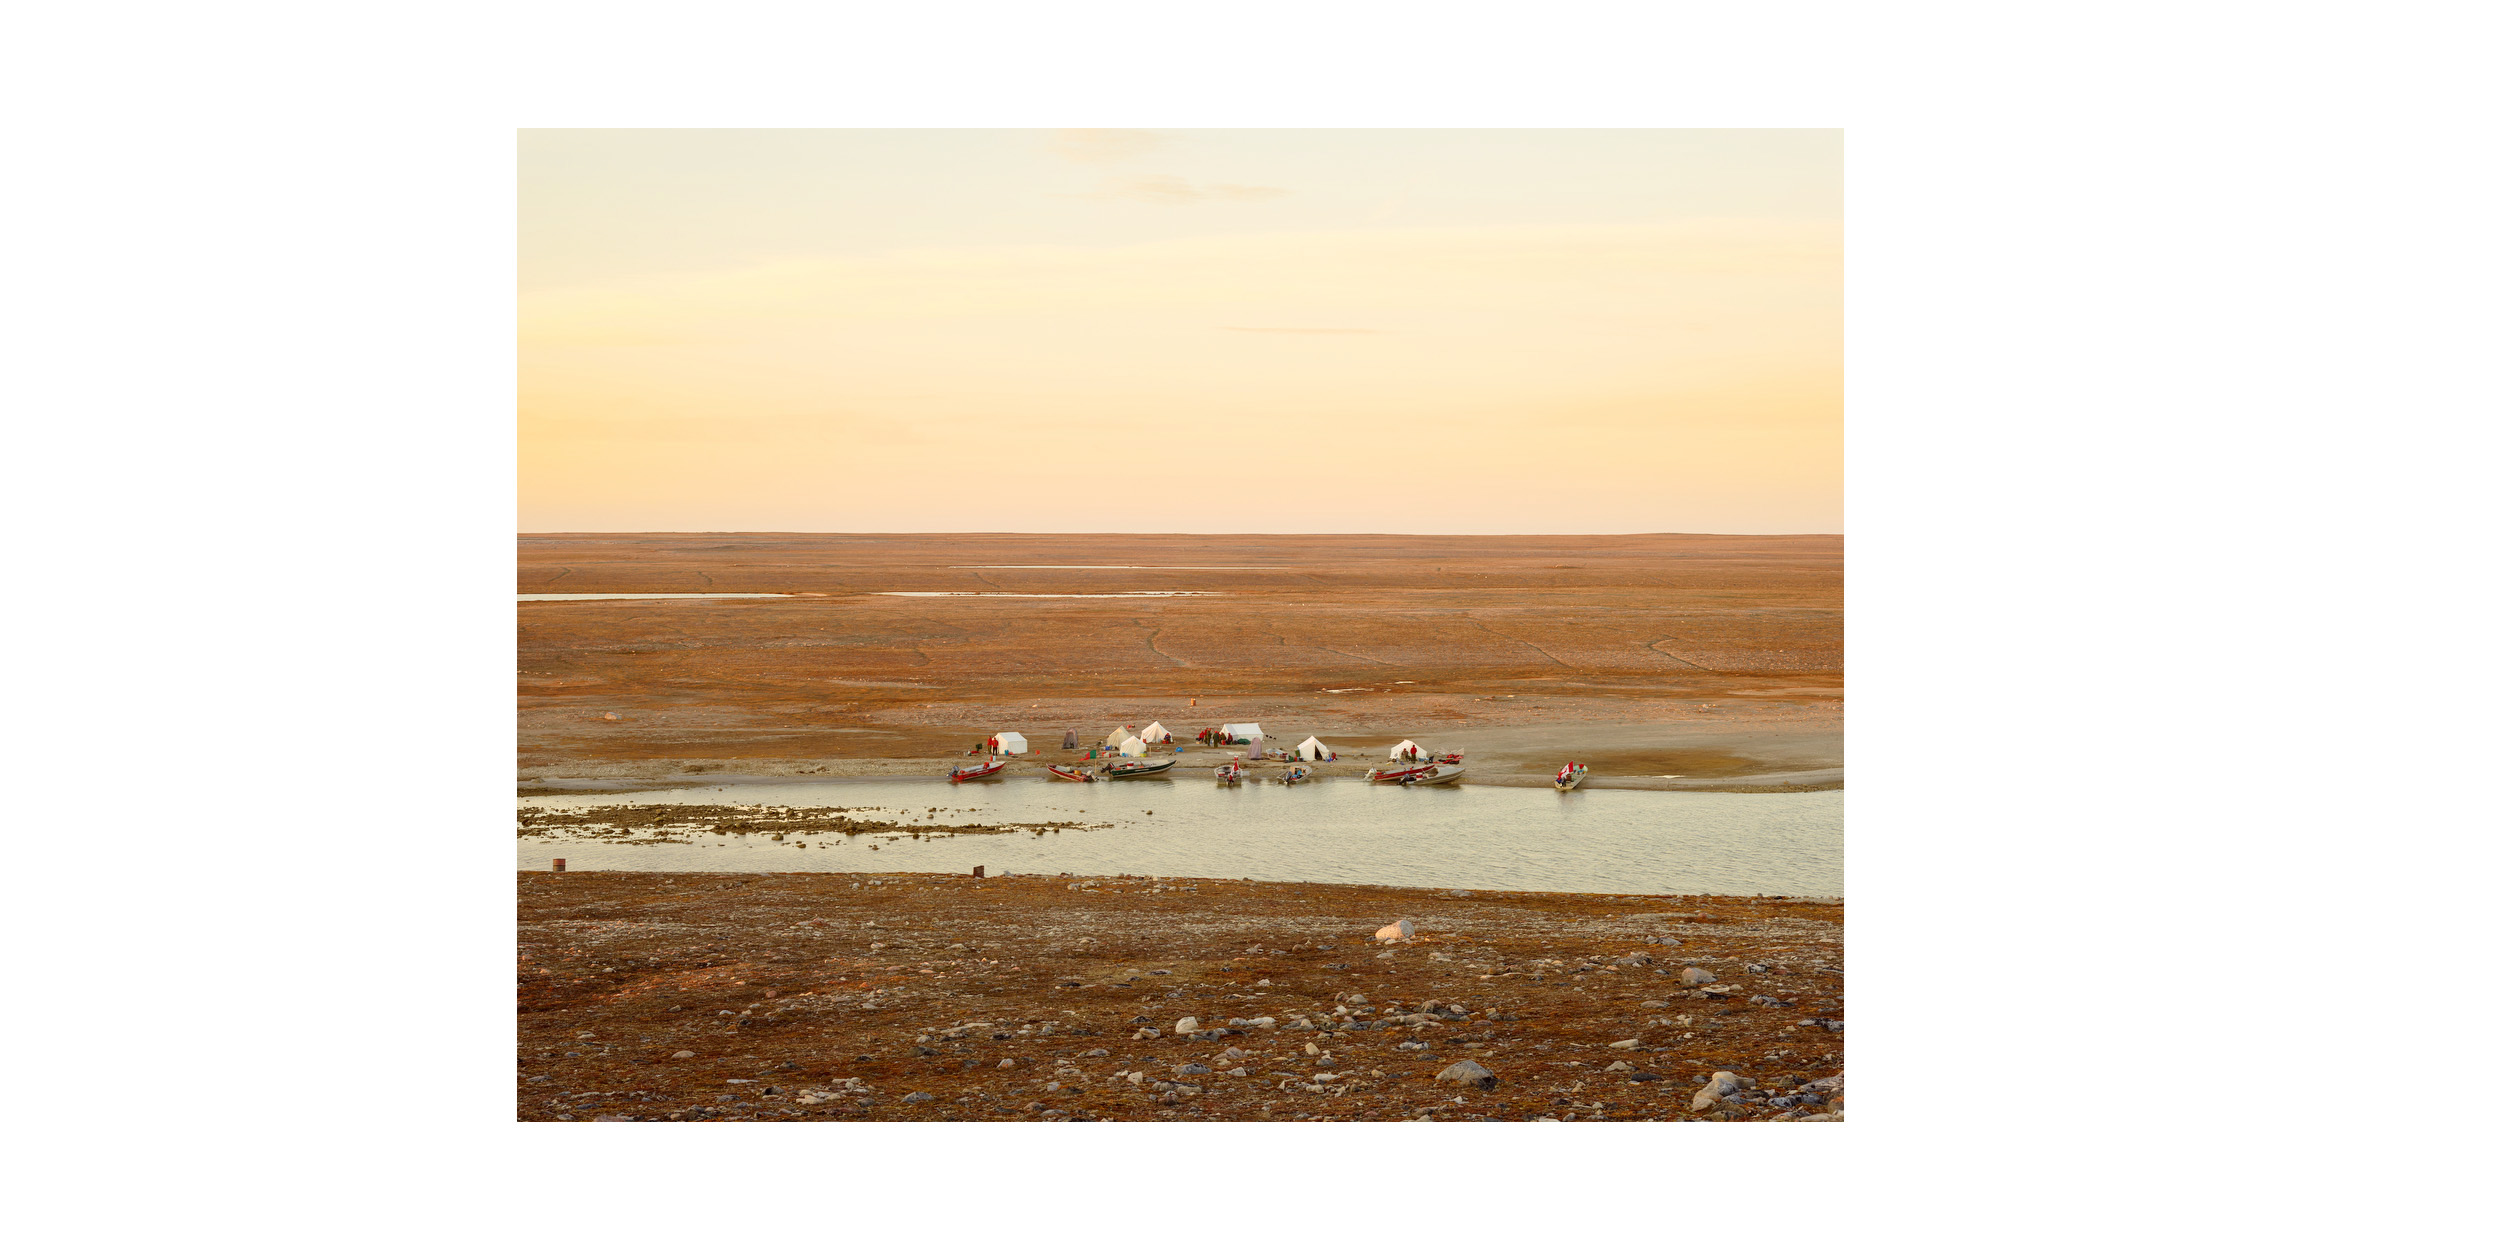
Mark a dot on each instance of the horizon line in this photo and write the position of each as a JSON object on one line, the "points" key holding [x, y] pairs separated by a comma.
{"points": [[1217, 533]]}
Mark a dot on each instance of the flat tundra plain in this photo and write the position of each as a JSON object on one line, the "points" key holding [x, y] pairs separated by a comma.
{"points": [[1664, 661]]}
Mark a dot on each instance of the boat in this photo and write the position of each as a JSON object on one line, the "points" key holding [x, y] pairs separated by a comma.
{"points": [[1435, 775], [1397, 776], [1229, 775], [1138, 768], [1070, 774], [1299, 772], [1569, 777], [978, 772]]}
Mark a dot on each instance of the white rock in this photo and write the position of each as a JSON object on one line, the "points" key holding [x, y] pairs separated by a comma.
{"points": [[1618, 1066], [1721, 1085], [1403, 930], [683, 1054], [1626, 1044], [1696, 976], [1467, 1072], [1188, 1024]]}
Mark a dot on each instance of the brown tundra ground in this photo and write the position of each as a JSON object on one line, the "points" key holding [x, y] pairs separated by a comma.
{"points": [[803, 996], [1714, 659]]}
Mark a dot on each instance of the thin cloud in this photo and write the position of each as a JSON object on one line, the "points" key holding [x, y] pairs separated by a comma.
{"points": [[1103, 147], [1166, 189], [1295, 330]]}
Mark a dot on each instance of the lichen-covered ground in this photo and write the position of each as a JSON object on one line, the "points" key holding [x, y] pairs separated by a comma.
{"points": [[826, 996]]}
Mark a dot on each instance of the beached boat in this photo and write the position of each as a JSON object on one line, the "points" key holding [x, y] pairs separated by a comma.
{"points": [[1436, 775], [1569, 777], [1070, 774], [978, 772], [1229, 775], [1297, 773], [1138, 768], [1397, 775]]}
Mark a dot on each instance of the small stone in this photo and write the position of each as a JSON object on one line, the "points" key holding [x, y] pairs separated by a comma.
{"points": [[1006, 1063], [1310, 1048], [1618, 1066], [1097, 1053], [1188, 1024], [683, 1054], [1468, 1072], [1626, 1044], [1696, 976], [1757, 969], [1402, 931], [917, 1096], [1193, 1069], [1357, 1000]]}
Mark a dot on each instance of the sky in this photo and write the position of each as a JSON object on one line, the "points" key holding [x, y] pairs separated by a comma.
{"points": [[1306, 331]]}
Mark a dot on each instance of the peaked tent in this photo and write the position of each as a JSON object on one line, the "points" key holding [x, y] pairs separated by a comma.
{"points": [[1313, 749], [1155, 733], [1009, 744], [1132, 747], [1407, 750], [1245, 731], [1119, 735]]}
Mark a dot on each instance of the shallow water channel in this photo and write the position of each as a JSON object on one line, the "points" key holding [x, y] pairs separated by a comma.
{"points": [[1483, 837]]}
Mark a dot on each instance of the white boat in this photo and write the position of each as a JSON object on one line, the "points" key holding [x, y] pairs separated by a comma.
{"points": [[1436, 775]]}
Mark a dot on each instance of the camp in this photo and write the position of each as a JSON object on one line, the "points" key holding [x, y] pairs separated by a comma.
{"points": [[1244, 732], [1155, 733], [1008, 744], [1407, 750], [1119, 735], [1314, 749], [1132, 747]]}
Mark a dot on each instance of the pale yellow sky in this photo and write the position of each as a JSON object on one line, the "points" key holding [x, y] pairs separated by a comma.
{"points": [[1295, 331]]}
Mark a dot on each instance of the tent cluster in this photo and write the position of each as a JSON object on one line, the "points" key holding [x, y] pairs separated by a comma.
{"points": [[1130, 741]]}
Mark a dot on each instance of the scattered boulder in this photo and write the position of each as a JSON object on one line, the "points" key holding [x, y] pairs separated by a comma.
{"points": [[1720, 1087], [917, 1096], [1626, 1044], [1402, 931], [1193, 1069], [1618, 1066], [1696, 976], [683, 1054], [1468, 1072], [1188, 1024]]}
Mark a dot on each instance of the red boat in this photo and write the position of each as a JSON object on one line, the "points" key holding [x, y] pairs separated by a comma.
{"points": [[977, 772], [1229, 775], [1070, 774], [1397, 776]]}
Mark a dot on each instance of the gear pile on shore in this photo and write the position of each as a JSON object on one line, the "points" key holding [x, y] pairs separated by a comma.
{"points": [[801, 996], [646, 824]]}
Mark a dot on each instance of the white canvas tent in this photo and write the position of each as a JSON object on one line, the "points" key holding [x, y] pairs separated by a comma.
{"points": [[1132, 747], [1119, 735], [1249, 730], [1407, 750], [1313, 749], [1155, 733], [1009, 744]]}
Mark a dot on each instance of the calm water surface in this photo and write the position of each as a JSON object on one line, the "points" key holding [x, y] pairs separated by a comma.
{"points": [[1483, 837]]}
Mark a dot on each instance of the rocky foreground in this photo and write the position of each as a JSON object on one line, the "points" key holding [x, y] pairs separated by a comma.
{"points": [[828, 996]]}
